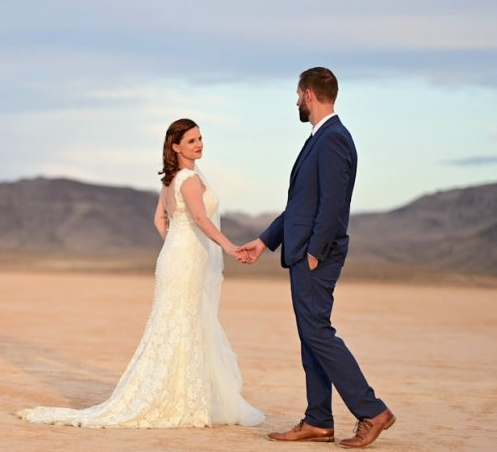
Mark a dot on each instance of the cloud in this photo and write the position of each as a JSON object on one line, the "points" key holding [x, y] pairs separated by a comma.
{"points": [[473, 161], [55, 53]]}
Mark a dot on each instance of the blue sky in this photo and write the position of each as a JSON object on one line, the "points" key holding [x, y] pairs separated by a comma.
{"points": [[88, 89]]}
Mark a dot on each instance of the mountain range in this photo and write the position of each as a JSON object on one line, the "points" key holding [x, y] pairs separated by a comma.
{"points": [[454, 230]]}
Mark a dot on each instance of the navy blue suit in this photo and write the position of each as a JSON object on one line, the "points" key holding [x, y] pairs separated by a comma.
{"points": [[315, 221]]}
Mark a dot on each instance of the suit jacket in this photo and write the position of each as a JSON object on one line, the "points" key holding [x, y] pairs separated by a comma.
{"points": [[316, 216]]}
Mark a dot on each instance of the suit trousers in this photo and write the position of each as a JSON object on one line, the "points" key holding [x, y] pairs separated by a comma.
{"points": [[326, 359]]}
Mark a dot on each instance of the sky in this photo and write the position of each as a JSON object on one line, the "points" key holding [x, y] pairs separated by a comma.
{"points": [[88, 89]]}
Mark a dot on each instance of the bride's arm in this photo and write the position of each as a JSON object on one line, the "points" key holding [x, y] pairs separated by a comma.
{"points": [[192, 191], [161, 221]]}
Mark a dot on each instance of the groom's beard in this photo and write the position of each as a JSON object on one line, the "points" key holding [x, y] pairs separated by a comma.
{"points": [[304, 112]]}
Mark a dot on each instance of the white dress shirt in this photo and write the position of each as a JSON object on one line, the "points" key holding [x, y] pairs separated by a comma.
{"points": [[320, 123]]}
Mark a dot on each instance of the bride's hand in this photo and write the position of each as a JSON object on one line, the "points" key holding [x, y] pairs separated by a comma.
{"points": [[230, 249], [242, 256], [236, 252]]}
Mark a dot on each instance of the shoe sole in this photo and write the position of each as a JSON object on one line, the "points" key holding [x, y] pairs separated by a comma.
{"points": [[325, 439], [390, 423]]}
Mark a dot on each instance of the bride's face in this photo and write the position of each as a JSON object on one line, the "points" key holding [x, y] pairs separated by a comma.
{"points": [[190, 147]]}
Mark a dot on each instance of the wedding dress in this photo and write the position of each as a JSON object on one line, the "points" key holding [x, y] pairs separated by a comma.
{"points": [[184, 372]]}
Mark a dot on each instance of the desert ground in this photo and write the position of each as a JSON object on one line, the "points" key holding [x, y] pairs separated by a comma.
{"points": [[429, 351]]}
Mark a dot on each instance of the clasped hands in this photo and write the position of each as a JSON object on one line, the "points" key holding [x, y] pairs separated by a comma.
{"points": [[248, 253]]}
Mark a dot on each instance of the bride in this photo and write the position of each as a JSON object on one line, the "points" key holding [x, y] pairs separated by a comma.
{"points": [[184, 372]]}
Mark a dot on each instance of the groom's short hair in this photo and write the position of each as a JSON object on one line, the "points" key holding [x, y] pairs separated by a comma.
{"points": [[321, 81]]}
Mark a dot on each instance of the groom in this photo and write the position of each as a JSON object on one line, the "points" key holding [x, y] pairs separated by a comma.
{"points": [[312, 232]]}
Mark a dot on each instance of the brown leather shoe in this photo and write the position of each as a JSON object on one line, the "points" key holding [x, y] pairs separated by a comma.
{"points": [[304, 432], [367, 430]]}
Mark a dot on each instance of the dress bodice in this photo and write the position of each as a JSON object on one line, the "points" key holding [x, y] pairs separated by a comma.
{"points": [[181, 213]]}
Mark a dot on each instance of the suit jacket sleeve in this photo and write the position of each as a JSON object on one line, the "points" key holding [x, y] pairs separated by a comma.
{"points": [[334, 172], [273, 235]]}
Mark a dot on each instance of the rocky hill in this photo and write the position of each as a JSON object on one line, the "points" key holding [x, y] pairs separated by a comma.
{"points": [[55, 215], [454, 229]]}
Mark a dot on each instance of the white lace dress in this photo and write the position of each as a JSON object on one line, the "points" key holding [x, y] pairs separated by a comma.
{"points": [[184, 372]]}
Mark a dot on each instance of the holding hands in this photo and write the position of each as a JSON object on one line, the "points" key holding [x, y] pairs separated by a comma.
{"points": [[251, 251], [245, 254]]}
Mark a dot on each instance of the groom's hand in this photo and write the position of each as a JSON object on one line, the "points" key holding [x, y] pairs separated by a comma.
{"points": [[313, 262], [253, 250]]}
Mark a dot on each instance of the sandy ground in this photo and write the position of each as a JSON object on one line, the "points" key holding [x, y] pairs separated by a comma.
{"points": [[430, 353]]}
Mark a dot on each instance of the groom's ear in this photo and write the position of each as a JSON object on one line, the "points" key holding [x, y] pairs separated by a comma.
{"points": [[309, 95]]}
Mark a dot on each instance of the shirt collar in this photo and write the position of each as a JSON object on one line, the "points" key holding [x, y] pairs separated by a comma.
{"points": [[320, 123]]}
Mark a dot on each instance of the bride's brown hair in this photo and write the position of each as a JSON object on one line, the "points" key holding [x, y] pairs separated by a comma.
{"points": [[174, 135]]}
